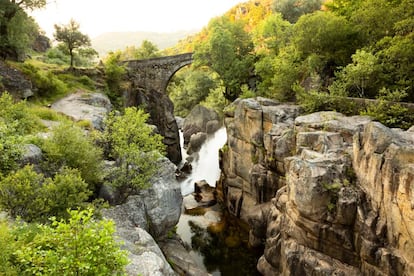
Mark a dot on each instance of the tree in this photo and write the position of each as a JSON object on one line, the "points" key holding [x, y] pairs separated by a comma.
{"points": [[293, 9], [228, 50], [8, 10], [361, 78], [71, 36], [146, 50], [135, 148]]}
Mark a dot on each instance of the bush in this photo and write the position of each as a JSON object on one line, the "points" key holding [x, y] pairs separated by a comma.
{"points": [[17, 114], [32, 197], [70, 147], [78, 246], [47, 84], [114, 73], [388, 111], [10, 148], [136, 149]]}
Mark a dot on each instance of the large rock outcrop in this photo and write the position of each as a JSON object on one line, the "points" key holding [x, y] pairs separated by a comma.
{"points": [[15, 82], [328, 194], [200, 120], [155, 211], [92, 107]]}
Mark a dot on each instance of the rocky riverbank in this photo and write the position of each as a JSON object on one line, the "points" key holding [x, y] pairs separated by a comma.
{"points": [[326, 194]]}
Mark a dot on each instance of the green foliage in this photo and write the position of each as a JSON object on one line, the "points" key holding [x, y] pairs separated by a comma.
{"points": [[227, 51], [45, 113], [32, 197], [47, 84], [360, 78], [114, 73], [326, 35], [146, 50], [70, 147], [314, 101], [57, 55], [388, 111], [136, 149], [72, 38], [78, 246], [23, 30], [216, 100], [10, 147], [17, 30], [189, 89], [283, 71], [16, 115], [247, 93], [73, 82], [293, 9], [271, 35]]}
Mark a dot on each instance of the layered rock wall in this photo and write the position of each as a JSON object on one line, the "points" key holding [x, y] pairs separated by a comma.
{"points": [[326, 194]]}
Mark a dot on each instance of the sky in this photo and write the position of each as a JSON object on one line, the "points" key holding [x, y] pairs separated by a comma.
{"points": [[99, 16]]}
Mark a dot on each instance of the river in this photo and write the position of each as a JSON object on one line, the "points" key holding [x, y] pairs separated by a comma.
{"points": [[223, 249]]}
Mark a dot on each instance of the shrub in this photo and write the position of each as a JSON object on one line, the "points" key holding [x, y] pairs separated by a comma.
{"points": [[70, 147], [136, 149], [18, 115], [46, 82], [78, 246], [32, 197], [10, 147], [388, 111]]}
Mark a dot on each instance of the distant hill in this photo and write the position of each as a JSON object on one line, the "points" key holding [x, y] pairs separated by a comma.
{"points": [[119, 40]]}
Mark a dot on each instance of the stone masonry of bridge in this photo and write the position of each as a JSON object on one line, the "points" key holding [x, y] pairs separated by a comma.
{"points": [[155, 73], [148, 80]]}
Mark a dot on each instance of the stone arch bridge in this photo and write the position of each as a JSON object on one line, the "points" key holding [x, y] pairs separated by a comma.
{"points": [[148, 80], [155, 73]]}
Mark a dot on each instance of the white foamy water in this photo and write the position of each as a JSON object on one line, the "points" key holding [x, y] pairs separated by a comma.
{"points": [[206, 165]]}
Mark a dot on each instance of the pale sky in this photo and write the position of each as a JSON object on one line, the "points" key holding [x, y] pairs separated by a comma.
{"points": [[99, 16]]}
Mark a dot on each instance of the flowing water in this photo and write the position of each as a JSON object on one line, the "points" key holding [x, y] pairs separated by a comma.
{"points": [[205, 165], [217, 241]]}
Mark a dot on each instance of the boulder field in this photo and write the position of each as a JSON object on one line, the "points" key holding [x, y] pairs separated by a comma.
{"points": [[326, 194]]}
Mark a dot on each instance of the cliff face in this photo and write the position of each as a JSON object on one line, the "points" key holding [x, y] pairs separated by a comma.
{"points": [[327, 194]]}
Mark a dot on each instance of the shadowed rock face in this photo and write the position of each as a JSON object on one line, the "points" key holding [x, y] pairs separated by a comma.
{"points": [[328, 194], [161, 111]]}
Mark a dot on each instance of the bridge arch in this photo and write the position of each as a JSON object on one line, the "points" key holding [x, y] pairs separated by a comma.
{"points": [[148, 80], [155, 73]]}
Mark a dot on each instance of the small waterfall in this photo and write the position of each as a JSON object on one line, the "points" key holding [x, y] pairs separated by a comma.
{"points": [[206, 163]]}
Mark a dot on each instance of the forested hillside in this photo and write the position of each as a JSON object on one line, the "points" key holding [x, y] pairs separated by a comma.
{"points": [[313, 52]]}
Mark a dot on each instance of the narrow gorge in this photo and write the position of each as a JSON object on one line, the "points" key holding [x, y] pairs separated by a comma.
{"points": [[325, 193]]}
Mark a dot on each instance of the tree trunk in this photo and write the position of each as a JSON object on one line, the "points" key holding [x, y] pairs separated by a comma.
{"points": [[71, 58]]}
